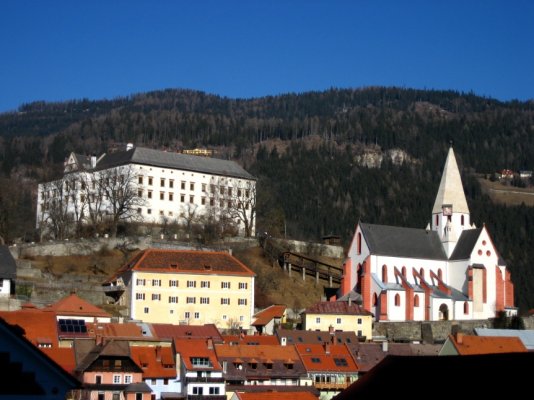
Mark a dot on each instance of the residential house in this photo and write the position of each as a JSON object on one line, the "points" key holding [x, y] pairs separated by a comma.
{"points": [[75, 308], [171, 332], [463, 345], [269, 366], [268, 319], [160, 372], [451, 270], [8, 272], [27, 373], [274, 395], [338, 315], [251, 340], [200, 371], [170, 187], [287, 336], [108, 372], [331, 367], [525, 335], [185, 287]]}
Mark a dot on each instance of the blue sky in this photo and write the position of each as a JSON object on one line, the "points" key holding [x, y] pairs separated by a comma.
{"points": [[60, 50]]}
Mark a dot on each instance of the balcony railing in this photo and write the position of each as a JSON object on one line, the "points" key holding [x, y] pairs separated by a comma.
{"points": [[204, 379]]}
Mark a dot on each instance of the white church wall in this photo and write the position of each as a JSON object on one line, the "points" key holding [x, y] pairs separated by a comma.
{"points": [[396, 312], [459, 310], [419, 312], [435, 312], [409, 263], [457, 273]]}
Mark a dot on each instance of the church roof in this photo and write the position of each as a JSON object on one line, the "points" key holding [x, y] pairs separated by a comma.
{"points": [[451, 190], [164, 159], [403, 242], [465, 244]]}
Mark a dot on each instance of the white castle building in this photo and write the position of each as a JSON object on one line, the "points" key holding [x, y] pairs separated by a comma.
{"points": [[149, 186], [450, 270]]}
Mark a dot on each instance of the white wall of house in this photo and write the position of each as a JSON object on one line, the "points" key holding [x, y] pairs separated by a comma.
{"points": [[5, 287], [158, 386]]}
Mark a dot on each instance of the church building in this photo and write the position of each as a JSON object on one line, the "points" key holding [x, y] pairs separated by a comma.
{"points": [[449, 271]]}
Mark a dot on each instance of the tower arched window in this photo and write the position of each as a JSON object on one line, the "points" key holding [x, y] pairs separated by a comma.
{"points": [[384, 273], [403, 271], [466, 307], [416, 300], [440, 274], [359, 243], [462, 220], [375, 299], [422, 272], [437, 220], [397, 300]]}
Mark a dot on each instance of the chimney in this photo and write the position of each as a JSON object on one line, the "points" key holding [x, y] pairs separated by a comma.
{"points": [[385, 346], [93, 161], [331, 330], [459, 337], [327, 347], [99, 340], [350, 300], [210, 344], [129, 146], [158, 353], [283, 341]]}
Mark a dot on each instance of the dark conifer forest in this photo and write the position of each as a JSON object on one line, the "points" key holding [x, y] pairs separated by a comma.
{"points": [[323, 160]]}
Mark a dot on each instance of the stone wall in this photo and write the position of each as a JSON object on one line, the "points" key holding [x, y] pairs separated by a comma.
{"points": [[425, 331], [311, 249]]}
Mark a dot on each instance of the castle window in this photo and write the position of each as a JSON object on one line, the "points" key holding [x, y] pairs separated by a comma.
{"points": [[397, 300], [416, 301], [384, 273]]}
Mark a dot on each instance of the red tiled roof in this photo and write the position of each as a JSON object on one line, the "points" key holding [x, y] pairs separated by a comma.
{"points": [[471, 345], [336, 307], [154, 365], [114, 330], [74, 305], [63, 356], [250, 339], [265, 316], [185, 261], [191, 348], [39, 325], [315, 357], [276, 396], [169, 331], [259, 352]]}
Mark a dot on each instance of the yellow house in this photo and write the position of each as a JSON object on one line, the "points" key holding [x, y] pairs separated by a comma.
{"points": [[338, 316], [185, 287]]}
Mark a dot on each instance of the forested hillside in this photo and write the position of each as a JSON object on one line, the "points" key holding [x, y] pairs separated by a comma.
{"points": [[306, 150]]}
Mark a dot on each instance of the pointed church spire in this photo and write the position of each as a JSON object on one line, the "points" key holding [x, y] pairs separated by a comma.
{"points": [[451, 190]]}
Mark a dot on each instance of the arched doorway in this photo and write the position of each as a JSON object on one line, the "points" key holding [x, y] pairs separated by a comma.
{"points": [[444, 312]]}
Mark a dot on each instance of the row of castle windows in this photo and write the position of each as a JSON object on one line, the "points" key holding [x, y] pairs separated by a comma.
{"points": [[190, 300], [189, 283]]}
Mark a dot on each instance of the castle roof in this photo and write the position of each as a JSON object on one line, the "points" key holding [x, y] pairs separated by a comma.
{"points": [[451, 190], [164, 159]]}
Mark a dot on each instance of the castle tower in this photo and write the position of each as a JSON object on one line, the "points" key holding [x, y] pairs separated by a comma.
{"points": [[450, 214]]}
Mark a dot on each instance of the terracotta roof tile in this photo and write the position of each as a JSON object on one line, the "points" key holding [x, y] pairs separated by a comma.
{"points": [[38, 324], [63, 356], [327, 357], [193, 348], [259, 352], [170, 331], [156, 361], [116, 330], [336, 307], [185, 261], [74, 305], [471, 345], [265, 316], [273, 395], [252, 340]]}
